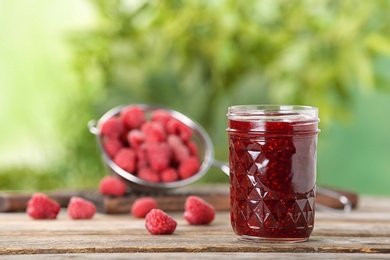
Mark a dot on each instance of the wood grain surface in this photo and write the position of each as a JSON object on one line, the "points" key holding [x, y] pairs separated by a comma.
{"points": [[364, 232]]}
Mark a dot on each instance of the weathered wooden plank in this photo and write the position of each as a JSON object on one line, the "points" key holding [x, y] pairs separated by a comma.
{"points": [[183, 243], [207, 256], [127, 234]]}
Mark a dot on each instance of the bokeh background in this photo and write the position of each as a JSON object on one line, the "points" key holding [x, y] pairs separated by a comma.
{"points": [[64, 62]]}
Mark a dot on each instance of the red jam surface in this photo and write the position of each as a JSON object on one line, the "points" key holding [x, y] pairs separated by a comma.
{"points": [[272, 179]]}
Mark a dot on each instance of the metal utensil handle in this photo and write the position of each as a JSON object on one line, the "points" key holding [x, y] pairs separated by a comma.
{"points": [[92, 127], [346, 202]]}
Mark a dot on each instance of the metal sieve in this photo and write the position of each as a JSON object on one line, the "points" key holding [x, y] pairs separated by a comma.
{"points": [[200, 136]]}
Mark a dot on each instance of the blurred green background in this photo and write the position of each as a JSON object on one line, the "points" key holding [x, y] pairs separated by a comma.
{"points": [[66, 62]]}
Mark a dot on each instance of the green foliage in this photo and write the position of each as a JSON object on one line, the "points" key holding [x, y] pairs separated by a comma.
{"points": [[281, 51], [199, 57]]}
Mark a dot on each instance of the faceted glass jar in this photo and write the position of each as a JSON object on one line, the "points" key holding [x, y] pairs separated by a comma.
{"points": [[272, 161]]}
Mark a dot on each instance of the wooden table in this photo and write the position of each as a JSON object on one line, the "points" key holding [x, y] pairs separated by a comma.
{"points": [[363, 233]]}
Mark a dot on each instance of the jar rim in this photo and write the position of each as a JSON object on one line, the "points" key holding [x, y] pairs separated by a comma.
{"points": [[272, 112]]}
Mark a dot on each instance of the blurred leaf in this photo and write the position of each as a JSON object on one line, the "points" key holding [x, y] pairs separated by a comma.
{"points": [[378, 43]]}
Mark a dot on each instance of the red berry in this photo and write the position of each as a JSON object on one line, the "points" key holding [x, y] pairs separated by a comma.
{"points": [[198, 211], [159, 156], [157, 222], [40, 206], [148, 174], [179, 151], [79, 208], [189, 167], [111, 185], [142, 206], [111, 146], [142, 156], [193, 148], [154, 132], [161, 116], [133, 117], [178, 128], [135, 138], [126, 159], [112, 127], [169, 175]]}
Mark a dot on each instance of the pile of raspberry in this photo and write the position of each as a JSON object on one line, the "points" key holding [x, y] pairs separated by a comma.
{"points": [[152, 145]]}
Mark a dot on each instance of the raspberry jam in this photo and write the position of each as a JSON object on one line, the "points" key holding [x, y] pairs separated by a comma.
{"points": [[272, 160]]}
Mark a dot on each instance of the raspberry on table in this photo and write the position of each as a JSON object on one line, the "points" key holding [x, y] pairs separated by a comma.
{"points": [[148, 174], [159, 156], [40, 206], [133, 117], [198, 211], [189, 167], [126, 159], [157, 222], [113, 186], [143, 206], [111, 146], [112, 127], [79, 208]]}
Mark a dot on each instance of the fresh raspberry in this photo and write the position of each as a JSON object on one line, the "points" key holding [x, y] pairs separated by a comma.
{"points": [[111, 185], [179, 151], [154, 132], [148, 174], [159, 156], [126, 159], [193, 148], [160, 115], [133, 116], [79, 208], [198, 211], [189, 167], [169, 175], [135, 138], [112, 127], [157, 222], [111, 146], [178, 128], [142, 156], [40, 206], [142, 206], [123, 137]]}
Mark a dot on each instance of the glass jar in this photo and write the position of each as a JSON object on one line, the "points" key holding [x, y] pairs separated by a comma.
{"points": [[272, 161]]}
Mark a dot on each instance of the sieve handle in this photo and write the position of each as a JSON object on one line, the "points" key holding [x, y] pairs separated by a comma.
{"points": [[92, 127], [223, 166]]}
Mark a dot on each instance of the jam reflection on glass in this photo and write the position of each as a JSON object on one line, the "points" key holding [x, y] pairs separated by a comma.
{"points": [[272, 179]]}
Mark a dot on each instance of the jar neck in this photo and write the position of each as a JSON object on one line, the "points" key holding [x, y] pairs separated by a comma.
{"points": [[273, 119]]}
